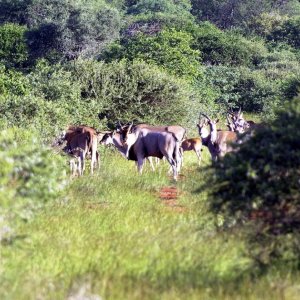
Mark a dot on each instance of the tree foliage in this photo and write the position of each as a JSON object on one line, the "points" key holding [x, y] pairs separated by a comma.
{"points": [[13, 47], [219, 47], [241, 87], [239, 14], [71, 29], [135, 90], [170, 49], [259, 185]]}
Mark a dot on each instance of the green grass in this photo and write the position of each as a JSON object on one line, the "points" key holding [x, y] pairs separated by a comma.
{"points": [[111, 235]]}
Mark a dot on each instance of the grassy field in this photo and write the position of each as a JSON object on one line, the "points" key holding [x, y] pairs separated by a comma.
{"points": [[113, 236]]}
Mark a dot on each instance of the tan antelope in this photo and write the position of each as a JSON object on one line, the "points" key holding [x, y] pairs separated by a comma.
{"points": [[217, 142], [193, 144], [80, 141]]}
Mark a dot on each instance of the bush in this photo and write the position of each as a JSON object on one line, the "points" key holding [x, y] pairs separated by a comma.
{"points": [[79, 29], [242, 87], [265, 23], [219, 47], [134, 90], [53, 83], [13, 11], [228, 13], [170, 49], [163, 6], [13, 48], [288, 32], [33, 112], [30, 175], [123, 90], [28, 168], [13, 83], [259, 186]]}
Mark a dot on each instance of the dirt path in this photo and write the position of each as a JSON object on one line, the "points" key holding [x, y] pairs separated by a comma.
{"points": [[169, 195]]}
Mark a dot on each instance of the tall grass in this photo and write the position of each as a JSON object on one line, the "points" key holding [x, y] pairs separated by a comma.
{"points": [[111, 236]]}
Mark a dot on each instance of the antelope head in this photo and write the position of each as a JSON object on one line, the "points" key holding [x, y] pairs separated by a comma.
{"points": [[238, 123], [213, 127]]}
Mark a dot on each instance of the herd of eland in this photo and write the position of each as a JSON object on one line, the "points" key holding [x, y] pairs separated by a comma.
{"points": [[138, 142]]}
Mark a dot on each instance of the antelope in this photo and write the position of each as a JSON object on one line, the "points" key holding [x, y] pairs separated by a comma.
{"points": [[237, 122], [193, 144], [178, 131], [217, 142], [80, 141], [145, 142], [114, 138]]}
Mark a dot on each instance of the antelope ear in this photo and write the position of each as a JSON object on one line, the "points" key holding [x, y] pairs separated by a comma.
{"points": [[217, 121]]}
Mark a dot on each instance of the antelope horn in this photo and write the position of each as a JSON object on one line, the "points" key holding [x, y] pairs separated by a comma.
{"points": [[228, 120], [129, 127], [199, 117], [205, 116], [230, 112], [239, 112]]}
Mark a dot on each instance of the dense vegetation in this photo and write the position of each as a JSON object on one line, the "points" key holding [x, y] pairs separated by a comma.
{"points": [[161, 62]]}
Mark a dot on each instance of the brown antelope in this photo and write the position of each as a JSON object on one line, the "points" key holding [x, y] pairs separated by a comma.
{"points": [[80, 141], [217, 142], [193, 144]]}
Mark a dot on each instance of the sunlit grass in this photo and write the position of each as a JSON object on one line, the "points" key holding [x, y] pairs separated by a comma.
{"points": [[111, 235]]}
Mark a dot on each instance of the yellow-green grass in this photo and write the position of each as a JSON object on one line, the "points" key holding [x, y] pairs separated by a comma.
{"points": [[110, 235]]}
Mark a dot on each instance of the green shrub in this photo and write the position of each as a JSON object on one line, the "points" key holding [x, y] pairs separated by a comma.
{"points": [[79, 29], [242, 87], [29, 169], [13, 11], [228, 13], [13, 83], [53, 83], [265, 23], [259, 185], [30, 175], [170, 49], [134, 90], [219, 47], [287, 32], [32, 112], [13, 48], [164, 6], [77, 94]]}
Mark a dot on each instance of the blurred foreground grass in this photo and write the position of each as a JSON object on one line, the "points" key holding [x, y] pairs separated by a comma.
{"points": [[110, 236]]}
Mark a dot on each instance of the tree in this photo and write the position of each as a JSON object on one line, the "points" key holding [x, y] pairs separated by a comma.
{"points": [[229, 13], [71, 30], [13, 48], [170, 49], [258, 186], [13, 11]]}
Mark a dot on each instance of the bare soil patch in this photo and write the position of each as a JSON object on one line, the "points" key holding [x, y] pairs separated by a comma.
{"points": [[169, 195]]}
